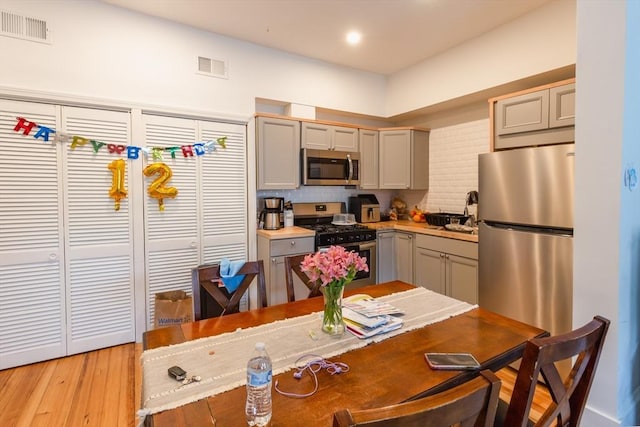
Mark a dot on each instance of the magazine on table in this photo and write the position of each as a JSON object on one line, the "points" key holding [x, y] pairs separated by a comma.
{"points": [[366, 317]]}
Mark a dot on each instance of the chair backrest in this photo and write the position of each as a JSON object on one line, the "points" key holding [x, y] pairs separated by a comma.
{"points": [[472, 403], [569, 395], [291, 267], [212, 300]]}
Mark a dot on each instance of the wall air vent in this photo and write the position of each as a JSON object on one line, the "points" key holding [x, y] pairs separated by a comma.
{"points": [[24, 27], [212, 67]]}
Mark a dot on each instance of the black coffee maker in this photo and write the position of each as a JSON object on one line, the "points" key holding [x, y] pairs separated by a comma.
{"points": [[272, 215]]}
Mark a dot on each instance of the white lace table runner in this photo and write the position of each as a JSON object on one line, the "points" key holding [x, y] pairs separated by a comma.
{"points": [[221, 360]]}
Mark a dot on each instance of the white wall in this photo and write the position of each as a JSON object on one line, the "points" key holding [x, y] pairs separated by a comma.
{"points": [[604, 248], [540, 41], [105, 52]]}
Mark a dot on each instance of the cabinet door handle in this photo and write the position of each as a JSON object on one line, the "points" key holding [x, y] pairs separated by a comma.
{"points": [[273, 260], [441, 255], [293, 243]]}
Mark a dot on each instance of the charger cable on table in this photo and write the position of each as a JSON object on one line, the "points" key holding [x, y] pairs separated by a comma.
{"points": [[313, 365]]}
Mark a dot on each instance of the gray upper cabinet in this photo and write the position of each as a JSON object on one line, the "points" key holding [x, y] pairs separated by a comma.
{"points": [[404, 159], [327, 137], [523, 113], [535, 117], [562, 106], [278, 159], [368, 159]]}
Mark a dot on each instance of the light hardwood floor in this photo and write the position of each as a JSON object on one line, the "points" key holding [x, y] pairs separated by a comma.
{"points": [[98, 388], [102, 388]]}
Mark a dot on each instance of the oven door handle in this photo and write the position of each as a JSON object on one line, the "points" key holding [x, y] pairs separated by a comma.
{"points": [[367, 245]]}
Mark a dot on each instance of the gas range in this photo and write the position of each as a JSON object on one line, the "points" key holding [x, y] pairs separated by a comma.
{"points": [[328, 234], [318, 217], [354, 237]]}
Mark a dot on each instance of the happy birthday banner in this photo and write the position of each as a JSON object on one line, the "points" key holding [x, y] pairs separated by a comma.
{"points": [[157, 189], [133, 152]]}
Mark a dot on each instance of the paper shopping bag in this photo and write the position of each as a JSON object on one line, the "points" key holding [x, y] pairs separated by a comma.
{"points": [[172, 308]]}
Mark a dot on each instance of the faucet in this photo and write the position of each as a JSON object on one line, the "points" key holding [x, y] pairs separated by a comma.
{"points": [[471, 199]]}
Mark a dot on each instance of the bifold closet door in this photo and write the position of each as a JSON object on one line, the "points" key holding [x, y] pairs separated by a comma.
{"points": [[206, 221], [224, 194], [66, 281], [172, 245], [32, 276], [99, 244]]}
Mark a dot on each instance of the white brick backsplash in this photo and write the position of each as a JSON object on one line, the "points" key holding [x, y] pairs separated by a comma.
{"points": [[453, 166]]}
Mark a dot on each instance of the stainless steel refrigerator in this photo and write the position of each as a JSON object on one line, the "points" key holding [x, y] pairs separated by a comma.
{"points": [[525, 235]]}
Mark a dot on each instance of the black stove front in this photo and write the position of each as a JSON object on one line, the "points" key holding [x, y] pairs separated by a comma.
{"points": [[343, 235]]}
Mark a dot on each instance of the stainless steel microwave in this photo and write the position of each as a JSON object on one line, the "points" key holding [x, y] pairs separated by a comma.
{"points": [[328, 167]]}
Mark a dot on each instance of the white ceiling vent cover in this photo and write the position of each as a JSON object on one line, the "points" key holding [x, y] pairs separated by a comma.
{"points": [[24, 27], [212, 67]]}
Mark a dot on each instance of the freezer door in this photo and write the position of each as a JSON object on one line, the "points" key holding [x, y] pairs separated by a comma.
{"points": [[527, 276], [530, 186]]}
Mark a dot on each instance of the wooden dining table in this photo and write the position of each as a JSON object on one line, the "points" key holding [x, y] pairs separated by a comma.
{"points": [[380, 374]]}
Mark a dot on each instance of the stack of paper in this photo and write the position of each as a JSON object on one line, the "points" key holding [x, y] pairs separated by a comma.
{"points": [[366, 317]]}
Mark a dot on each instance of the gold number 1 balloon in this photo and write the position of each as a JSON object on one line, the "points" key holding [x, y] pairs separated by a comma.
{"points": [[117, 192], [157, 188]]}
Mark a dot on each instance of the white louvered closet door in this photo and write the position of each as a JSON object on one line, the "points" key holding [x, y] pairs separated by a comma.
{"points": [[207, 220], [32, 291], [99, 247], [172, 247], [224, 194]]}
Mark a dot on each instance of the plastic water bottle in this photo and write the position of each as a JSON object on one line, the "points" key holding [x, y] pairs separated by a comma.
{"points": [[258, 407]]}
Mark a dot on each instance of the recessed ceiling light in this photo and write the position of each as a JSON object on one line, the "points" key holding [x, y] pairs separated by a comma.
{"points": [[353, 37]]}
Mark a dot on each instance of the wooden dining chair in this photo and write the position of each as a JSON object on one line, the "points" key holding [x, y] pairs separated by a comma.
{"points": [[568, 395], [210, 299], [472, 403], [291, 267]]}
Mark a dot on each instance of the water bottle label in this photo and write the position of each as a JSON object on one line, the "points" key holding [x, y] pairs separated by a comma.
{"points": [[259, 378]]}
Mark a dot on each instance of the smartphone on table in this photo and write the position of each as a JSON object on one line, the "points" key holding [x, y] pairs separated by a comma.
{"points": [[452, 361]]}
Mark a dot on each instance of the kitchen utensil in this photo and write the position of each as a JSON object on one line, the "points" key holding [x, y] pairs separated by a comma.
{"points": [[272, 220]]}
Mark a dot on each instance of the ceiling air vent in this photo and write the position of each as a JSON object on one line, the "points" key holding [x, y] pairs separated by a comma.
{"points": [[212, 67], [24, 27]]}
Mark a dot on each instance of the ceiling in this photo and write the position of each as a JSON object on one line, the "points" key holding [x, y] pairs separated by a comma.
{"points": [[395, 33]]}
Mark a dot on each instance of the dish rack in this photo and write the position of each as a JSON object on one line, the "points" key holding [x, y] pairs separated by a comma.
{"points": [[442, 219]]}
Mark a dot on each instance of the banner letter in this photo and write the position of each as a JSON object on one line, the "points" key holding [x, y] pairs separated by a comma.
{"points": [[24, 125], [44, 132]]}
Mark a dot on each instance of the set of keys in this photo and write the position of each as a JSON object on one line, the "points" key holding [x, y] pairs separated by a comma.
{"points": [[179, 374]]}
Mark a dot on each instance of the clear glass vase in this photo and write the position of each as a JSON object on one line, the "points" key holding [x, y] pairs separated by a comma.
{"points": [[332, 321]]}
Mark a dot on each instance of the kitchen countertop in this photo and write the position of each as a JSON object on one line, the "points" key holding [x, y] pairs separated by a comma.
{"points": [[402, 225], [287, 233], [422, 228]]}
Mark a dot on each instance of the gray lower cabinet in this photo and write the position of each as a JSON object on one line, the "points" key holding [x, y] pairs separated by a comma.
{"points": [[447, 266], [403, 245], [386, 258], [273, 252]]}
